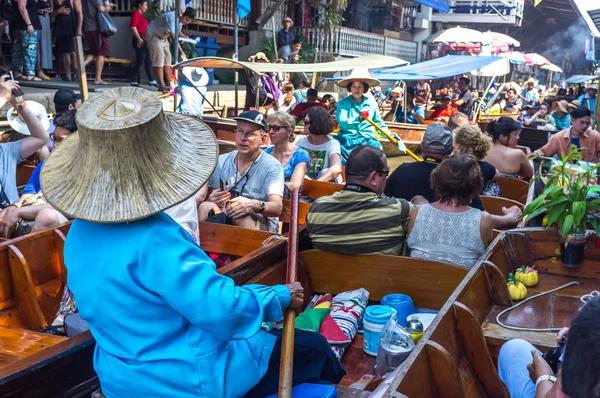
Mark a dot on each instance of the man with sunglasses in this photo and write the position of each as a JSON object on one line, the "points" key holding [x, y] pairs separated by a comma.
{"points": [[246, 188], [358, 219], [444, 112]]}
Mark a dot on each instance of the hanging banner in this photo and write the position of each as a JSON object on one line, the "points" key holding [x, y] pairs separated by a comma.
{"points": [[440, 5]]}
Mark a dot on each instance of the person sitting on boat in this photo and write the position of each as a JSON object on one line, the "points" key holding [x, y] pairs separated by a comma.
{"points": [[571, 106], [422, 92], [562, 114], [457, 120], [412, 180], [527, 115], [312, 100], [354, 130], [302, 91], [324, 152], [461, 232], [414, 115], [588, 100], [293, 159], [529, 93], [464, 103], [539, 118], [469, 140], [329, 103], [527, 375], [295, 48], [358, 219], [579, 136], [177, 317], [246, 188], [260, 90], [26, 120], [513, 103], [503, 154], [287, 100], [444, 112]]}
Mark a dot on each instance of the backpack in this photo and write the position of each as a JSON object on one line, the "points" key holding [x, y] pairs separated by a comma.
{"points": [[8, 10]]}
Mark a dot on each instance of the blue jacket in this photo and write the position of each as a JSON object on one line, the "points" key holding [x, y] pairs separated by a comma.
{"points": [[165, 322], [348, 116], [588, 102]]}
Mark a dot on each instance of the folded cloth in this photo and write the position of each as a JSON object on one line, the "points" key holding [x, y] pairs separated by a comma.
{"points": [[312, 318], [347, 310]]}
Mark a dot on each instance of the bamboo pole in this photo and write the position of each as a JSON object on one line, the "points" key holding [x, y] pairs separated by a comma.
{"points": [[392, 139], [274, 38], [286, 368], [236, 50], [83, 88]]}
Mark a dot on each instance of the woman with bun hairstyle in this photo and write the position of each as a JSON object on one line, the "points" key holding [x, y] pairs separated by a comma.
{"points": [[503, 154]]}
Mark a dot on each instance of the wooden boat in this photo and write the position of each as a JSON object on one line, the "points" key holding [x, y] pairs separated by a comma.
{"points": [[32, 279], [484, 120], [379, 274], [457, 354]]}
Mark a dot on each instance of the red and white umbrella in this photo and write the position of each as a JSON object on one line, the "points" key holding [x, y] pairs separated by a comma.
{"points": [[517, 57], [538, 59]]}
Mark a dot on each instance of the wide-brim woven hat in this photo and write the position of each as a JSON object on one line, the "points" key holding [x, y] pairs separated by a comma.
{"points": [[563, 105], [18, 124], [359, 75], [128, 160]]}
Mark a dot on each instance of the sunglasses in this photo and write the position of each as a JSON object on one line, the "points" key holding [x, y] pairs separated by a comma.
{"points": [[385, 172], [275, 128]]}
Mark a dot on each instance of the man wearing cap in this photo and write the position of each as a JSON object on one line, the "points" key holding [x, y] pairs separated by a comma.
{"points": [[358, 219], [300, 110], [177, 316], [464, 103], [354, 129], [588, 99], [513, 103], [285, 38], [246, 188], [414, 114], [561, 115], [529, 115], [444, 112], [157, 35], [411, 180], [529, 93]]}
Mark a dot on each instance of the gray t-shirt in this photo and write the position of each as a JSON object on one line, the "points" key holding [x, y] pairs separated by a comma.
{"points": [[163, 26], [263, 178], [10, 153], [90, 14]]}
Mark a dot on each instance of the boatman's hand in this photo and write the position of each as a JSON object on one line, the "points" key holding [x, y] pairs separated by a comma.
{"points": [[364, 115], [240, 207], [8, 217], [296, 294]]}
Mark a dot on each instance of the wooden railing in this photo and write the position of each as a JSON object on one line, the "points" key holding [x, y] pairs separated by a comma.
{"points": [[354, 43], [483, 11]]}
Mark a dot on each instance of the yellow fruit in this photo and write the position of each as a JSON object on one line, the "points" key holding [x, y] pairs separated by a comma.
{"points": [[517, 290], [527, 276]]}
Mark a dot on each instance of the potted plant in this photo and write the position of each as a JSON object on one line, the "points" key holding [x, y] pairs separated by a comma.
{"points": [[565, 200]]}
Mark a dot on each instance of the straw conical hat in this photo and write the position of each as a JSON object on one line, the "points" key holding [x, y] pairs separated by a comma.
{"points": [[359, 75], [128, 160]]}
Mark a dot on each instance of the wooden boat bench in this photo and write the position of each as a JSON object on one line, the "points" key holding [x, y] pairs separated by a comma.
{"points": [[20, 343]]}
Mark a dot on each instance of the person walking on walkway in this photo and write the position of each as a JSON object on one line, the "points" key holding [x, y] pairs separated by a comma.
{"points": [[138, 25], [97, 42]]}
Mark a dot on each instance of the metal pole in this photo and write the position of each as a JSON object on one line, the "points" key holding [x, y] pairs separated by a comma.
{"points": [[236, 51], [176, 49]]}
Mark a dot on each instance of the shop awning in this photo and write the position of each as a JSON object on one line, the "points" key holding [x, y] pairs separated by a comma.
{"points": [[440, 5], [581, 78], [369, 61], [450, 65]]}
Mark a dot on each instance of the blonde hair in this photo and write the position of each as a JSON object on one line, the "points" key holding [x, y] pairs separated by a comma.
{"points": [[286, 120], [469, 140], [288, 89]]}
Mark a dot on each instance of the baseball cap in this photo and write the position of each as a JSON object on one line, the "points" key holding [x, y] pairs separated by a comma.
{"points": [[254, 117], [438, 139], [65, 97], [447, 96], [593, 87]]}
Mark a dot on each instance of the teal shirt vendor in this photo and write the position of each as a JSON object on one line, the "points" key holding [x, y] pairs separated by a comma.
{"points": [[353, 130], [166, 323]]}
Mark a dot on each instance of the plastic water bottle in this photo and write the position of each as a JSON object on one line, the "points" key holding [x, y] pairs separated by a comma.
{"points": [[394, 347]]}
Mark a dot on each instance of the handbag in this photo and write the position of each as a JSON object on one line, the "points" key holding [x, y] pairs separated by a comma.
{"points": [[106, 25]]}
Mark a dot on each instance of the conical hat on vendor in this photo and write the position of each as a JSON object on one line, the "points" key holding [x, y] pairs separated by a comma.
{"points": [[128, 160], [359, 75]]}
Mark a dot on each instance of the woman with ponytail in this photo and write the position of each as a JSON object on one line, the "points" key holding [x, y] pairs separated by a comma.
{"points": [[287, 100], [503, 154]]}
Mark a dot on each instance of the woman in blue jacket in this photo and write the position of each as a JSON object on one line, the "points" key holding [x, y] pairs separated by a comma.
{"points": [[165, 322]]}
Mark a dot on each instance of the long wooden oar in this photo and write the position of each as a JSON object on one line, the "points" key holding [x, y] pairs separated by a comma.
{"points": [[286, 368], [392, 139]]}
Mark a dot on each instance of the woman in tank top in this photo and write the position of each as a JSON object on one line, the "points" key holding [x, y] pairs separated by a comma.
{"points": [[449, 230]]}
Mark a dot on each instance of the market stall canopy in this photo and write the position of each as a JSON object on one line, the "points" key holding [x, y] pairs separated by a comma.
{"points": [[552, 68], [497, 38], [538, 59], [450, 65], [517, 57], [575, 79], [458, 35], [369, 61]]}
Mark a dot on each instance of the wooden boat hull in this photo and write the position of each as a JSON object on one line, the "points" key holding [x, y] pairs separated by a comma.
{"points": [[66, 369]]}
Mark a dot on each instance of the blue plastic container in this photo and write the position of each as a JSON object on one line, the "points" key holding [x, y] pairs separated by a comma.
{"points": [[376, 316], [403, 305]]}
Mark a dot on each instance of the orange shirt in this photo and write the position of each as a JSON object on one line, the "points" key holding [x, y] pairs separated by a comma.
{"points": [[560, 144], [444, 112]]}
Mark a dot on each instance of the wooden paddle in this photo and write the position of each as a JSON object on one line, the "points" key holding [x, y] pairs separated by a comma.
{"points": [[286, 368], [392, 139]]}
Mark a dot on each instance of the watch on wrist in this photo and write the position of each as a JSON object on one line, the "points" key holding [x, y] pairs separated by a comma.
{"points": [[21, 106], [545, 377], [262, 206]]}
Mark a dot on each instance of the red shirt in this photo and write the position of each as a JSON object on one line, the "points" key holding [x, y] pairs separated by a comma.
{"points": [[300, 109], [443, 112], [140, 23]]}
